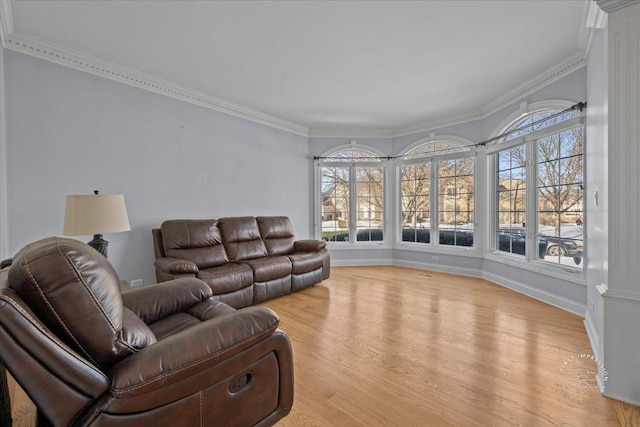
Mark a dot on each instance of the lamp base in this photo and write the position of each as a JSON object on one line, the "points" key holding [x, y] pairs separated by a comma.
{"points": [[99, 244]]}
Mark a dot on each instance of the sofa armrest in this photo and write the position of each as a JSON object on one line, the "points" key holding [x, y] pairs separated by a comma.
{"points": [[176, 265], [309, 245], [155, 302], [188, 353]]}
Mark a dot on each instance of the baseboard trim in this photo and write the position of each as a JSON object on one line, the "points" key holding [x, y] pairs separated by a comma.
{"points": [[620, 398], [360, 262], [592, 333], [438, 267], [539, 294]]}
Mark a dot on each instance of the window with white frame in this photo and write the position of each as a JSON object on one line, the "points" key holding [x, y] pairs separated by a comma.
{"points": [[437, 194], [538, 182], [352, 196]]}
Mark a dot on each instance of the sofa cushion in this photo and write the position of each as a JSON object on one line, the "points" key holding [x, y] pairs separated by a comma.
{"points": [[227, 278], [305, 262], [269, 268], [196, 240], [277, 234], [241, 238]]}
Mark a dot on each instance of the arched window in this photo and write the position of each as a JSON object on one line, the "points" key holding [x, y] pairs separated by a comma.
{"points": [[437, 192], [538, 182], [352, 196]]}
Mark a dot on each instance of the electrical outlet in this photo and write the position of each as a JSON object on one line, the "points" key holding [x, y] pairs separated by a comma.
{"points": [[435, 258], [137, 282]]}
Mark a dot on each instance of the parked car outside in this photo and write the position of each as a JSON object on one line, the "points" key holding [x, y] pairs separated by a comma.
{"points": [[558, 246], [514, 241]]}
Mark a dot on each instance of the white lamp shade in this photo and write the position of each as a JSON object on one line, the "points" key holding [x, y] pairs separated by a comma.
{"points": [[95, 214]]}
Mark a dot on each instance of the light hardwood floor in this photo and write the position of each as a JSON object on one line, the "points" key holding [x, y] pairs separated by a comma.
{"points": [[393, 346]]}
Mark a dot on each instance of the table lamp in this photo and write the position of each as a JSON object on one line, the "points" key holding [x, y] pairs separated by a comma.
{"points": [[95, 214]]}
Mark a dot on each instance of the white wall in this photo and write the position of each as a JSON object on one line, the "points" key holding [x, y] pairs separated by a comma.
{"points": [[71, 132], [4, 240]]}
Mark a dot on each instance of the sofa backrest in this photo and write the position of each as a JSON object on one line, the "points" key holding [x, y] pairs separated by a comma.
{"points": [[277, 234], [196, 240], [75, 293], [241, 238]]}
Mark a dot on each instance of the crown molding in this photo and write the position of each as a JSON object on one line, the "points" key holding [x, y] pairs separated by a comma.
{"points": [[52, 52], [595, 19], [613, 5]]}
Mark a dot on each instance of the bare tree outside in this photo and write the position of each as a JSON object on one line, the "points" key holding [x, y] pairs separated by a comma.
{"points": [[455, 193]]}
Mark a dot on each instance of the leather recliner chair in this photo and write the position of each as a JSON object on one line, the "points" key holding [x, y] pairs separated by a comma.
{"points": [[163, 355]]}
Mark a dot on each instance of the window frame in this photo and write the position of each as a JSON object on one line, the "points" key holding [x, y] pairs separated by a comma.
{"points": [[470, 151], [353, 212], [531, 259]]}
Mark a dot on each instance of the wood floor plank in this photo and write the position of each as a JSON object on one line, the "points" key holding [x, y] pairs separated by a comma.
{"points": [[394, 346]]}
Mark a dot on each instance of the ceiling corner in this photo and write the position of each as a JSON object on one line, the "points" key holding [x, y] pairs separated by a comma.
{"points": [[612, 5], [6, 21]]}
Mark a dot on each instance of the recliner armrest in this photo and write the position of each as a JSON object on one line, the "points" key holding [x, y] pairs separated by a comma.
{"points": [[309, 245], [155, 302], [191, 351], [176, 265], [43, 362]]}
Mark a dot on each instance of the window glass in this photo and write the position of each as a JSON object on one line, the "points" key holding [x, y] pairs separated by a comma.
{"points": [[335, 203], [352, 197], [415, 182], [560, 207], [557, 183], [451, 205], [511, 196], [437, 148], [369, 203], [456, 202]]}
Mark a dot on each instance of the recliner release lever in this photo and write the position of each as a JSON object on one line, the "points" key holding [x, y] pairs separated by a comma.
{"points": [[240, 382]]}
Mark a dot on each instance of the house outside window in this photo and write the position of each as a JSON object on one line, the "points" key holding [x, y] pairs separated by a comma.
{"points": [[352, 196], [538, 189], [436, 186]]}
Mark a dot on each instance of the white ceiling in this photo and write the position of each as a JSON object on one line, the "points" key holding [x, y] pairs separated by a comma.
{"points": [[324, 64]]}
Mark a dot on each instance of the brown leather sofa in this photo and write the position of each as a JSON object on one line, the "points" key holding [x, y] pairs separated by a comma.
{"points": [[245, 260], [163, 355]]}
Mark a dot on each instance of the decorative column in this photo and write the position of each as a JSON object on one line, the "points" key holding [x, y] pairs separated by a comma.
{"points": [[621, 292]]}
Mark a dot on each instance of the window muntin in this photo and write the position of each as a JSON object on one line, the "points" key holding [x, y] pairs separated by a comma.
{"points": [[437, 182], [556, 205], [352, 185]]}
